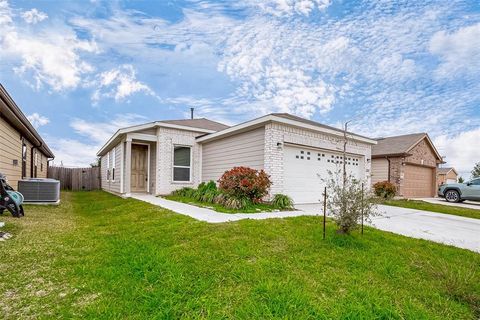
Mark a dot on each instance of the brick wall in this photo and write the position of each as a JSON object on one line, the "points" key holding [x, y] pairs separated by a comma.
{"points": [[167, 138], [279, 133], [421, 154]]}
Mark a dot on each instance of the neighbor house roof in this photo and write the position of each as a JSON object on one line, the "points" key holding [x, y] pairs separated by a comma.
{"points": [[400, 145], [283, 118], [198, 123], [446, 170], [12, 113]]}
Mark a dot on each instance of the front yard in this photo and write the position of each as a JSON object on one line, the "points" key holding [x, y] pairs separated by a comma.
{"points": [[100, 256]]}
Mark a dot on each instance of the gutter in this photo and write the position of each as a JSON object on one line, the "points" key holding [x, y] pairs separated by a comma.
{"points": [[388, 160]]}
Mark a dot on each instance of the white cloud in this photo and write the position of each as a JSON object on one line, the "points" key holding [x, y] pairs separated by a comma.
{"points": [[100, 132], [34, 16], [37, 120], [460, 150], [79, 152], [5, 14], [51, 56], [282, 8], [73, 153], [459, 51], [119, 83]]}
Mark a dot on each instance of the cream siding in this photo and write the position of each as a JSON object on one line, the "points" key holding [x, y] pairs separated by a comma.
{"points": [[379, 170], [110, 184], [11, 150], [244, 149]]}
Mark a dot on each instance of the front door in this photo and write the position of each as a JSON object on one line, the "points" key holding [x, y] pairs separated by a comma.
{"points": [[139, 181]]}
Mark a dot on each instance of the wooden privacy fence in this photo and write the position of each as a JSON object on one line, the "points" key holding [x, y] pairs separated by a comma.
{"points": [[76, 179]]}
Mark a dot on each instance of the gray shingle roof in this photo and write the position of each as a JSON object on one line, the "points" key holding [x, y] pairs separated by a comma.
{"points": [[396, 145], [201, 123], [443, 170]]}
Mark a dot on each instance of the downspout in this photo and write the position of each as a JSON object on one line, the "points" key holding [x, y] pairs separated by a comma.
{"points": [[388, 160], [32, 158]]}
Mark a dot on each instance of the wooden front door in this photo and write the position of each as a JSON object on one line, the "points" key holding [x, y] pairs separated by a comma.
{"points": [[139, 180]]}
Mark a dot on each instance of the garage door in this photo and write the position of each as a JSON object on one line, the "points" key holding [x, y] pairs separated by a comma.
{"points": [[418, 182], [305, 169]]}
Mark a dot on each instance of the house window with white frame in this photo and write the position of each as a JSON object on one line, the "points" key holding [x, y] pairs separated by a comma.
{"points": [[182, 170], [108, 166], [113, 164]]}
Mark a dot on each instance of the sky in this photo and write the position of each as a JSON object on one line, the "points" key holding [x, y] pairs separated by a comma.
{"points": [[81, 70]]}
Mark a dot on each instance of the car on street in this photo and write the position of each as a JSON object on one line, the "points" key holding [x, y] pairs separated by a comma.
{"points": [[459, 192]]}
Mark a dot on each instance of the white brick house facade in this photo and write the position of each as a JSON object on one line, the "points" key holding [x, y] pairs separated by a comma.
{"points": [[259, 144]]}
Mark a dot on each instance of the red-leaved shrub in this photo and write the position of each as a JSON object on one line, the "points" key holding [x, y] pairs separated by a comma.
{"points": [[385, 189], [243, 182]]}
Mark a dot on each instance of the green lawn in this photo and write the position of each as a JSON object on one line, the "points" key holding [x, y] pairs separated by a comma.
{"points": [[102, 257], [254, 208], [422, 205]]}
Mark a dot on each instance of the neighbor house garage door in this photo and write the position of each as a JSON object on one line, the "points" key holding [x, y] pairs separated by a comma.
{"points": [[306, 168], [418, 182]]}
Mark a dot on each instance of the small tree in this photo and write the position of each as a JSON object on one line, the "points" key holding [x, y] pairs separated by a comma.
{"points": [[476, 170], [347, 201], [461, 180]]}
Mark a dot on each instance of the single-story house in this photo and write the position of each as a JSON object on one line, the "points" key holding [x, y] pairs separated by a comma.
{"points": [[162, 156], [23, 153], [446, 175], [409, 162]]}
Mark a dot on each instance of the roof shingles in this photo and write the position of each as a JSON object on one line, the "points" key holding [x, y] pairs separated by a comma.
{"points": [[396, 145], [201, 123]]}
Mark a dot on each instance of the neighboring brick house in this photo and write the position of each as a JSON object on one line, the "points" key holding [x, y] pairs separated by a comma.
{"points": [[297, 153], [23, 153], [446, 175], [409, 162]]}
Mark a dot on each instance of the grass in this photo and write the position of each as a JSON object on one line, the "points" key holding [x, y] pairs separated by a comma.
{"points": [[97, 256], [253, 208], [440, 208]]}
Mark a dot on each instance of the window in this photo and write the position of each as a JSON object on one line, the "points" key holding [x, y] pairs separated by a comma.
{"points": [[108, 166], [113, 163], [181, 164], [475, 182], [35, 164], [24, 160]]}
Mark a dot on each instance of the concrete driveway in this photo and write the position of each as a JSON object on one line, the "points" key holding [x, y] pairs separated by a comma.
{"points": [[443, 228], [466, 204]]}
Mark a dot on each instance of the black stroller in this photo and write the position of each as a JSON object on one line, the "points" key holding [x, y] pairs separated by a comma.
{"points": [[10, 199]]}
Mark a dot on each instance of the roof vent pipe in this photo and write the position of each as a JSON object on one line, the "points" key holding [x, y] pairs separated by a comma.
{"points": [[191, 113]]}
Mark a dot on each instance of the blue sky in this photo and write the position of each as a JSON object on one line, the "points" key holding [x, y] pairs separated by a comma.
{"points": [[82, 69]]}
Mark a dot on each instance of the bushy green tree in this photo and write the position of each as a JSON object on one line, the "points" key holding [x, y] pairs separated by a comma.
{"points": [[476, 170], [461, 180], [346, 201]]}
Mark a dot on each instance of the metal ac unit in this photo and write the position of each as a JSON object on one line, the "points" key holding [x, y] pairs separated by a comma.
{"points": [[39, 190]]}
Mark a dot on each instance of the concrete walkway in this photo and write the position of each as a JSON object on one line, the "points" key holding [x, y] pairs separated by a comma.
{"points": [[453, 230], [212, 216]]}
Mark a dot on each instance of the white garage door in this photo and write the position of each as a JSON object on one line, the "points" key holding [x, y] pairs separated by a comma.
{"points": [[305, 168]]}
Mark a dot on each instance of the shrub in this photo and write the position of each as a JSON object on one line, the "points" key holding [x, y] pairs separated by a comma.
{"points": [[384, 189], [185, 192], [281, 201], [243, 182], [206, 191]]}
